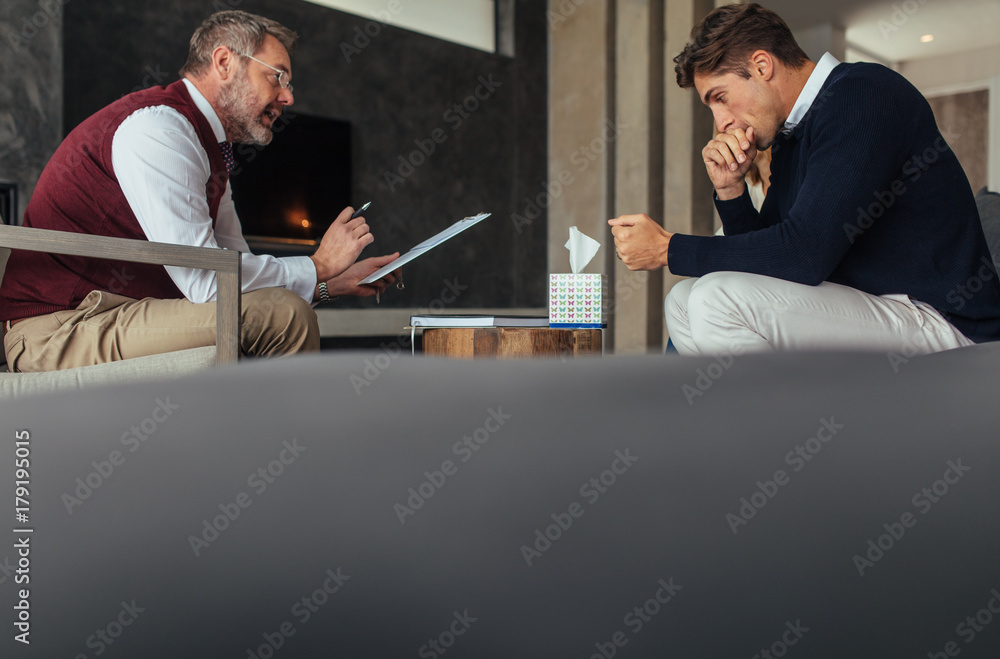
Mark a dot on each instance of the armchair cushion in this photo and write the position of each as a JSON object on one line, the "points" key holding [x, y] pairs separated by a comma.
{"points": [[225, 263], [4, 253], [140, 369]]}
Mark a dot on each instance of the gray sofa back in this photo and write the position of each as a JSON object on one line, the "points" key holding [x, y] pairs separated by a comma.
{"points": [[989, 213], [844, 505]]}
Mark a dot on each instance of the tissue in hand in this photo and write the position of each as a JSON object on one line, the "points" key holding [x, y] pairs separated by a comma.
{"points": [[575, 300]]}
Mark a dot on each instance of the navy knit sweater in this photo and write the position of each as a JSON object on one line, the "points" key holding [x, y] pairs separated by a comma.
{"points": [[864, 192]]}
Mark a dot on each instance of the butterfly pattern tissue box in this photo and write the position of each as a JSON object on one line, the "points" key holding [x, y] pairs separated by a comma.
{"points": [[575, 301]]}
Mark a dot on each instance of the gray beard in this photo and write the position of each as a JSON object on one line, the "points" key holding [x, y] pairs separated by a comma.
{"points": [[243, 125]]}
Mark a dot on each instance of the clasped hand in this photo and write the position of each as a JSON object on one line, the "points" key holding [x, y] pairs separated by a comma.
{"points": [[728, 158], [642, 244]]}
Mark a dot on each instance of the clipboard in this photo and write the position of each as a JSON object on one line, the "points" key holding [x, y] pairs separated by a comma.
{"points": [[426, 246]]}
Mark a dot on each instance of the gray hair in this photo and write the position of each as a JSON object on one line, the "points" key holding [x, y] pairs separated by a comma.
{"points": [[240, 31]]}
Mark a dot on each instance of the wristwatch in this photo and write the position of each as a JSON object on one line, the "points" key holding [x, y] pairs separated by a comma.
{"points": [[324, 294]]}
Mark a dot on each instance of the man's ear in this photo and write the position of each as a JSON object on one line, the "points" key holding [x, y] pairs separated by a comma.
{"points": [[762, 65], [224, 62]]}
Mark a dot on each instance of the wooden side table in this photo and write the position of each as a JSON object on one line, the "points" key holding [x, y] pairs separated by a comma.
{"points": [[510, 342]]}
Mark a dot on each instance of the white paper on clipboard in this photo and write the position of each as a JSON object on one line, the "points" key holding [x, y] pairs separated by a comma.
{"points": [[426, 246]]}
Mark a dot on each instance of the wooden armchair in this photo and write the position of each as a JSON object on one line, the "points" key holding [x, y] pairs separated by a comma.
{"points": [[224, 262]]}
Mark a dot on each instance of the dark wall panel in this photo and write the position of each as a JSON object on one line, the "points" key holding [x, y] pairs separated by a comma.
{"points": [[30, 94], [400, 90]]}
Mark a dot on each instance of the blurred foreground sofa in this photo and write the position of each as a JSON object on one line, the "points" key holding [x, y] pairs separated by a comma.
{"points": [[363, 505]]}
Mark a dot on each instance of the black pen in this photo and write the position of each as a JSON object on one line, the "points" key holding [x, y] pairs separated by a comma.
{"points": [[361, 210]]}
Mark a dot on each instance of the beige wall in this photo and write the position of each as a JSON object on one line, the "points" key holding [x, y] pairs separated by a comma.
{"points": [[972, 68], [461, 21]]}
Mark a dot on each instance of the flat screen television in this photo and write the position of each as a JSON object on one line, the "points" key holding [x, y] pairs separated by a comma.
{"points": [[288, 192]]}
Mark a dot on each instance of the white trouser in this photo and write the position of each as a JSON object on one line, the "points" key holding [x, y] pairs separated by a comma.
{"points": [[737, 312]]}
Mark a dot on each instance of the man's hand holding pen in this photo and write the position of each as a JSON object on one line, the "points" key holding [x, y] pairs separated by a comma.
{"points": [[341, 245], [336, 257]]}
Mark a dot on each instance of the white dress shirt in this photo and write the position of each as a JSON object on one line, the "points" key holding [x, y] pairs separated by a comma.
{"points": [[162, 168], [809, 93]]}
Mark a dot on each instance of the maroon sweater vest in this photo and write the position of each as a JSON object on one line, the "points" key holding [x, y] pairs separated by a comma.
{"points": [[79, 192]]}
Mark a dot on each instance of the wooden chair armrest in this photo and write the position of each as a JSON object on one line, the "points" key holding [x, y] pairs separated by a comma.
{"points": [[226, 263]]}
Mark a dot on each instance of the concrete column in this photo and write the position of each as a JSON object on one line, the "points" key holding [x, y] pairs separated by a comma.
{"points": [[993, 168], [623, 138], [638, 302], [688, 127], [822, 38], [580, 114]]}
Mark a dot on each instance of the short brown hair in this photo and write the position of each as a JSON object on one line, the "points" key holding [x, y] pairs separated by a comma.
{"points": [[723, 42], [239, 31]]}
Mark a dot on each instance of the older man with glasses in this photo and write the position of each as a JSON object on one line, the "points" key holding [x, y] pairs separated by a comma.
{"points": [[154, 165]]}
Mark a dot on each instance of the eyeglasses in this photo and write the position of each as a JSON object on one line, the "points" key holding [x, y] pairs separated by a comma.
{"points": [[283, 78]]}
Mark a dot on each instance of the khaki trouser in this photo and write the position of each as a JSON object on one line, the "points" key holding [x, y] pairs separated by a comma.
{"points": [[106, 327]]}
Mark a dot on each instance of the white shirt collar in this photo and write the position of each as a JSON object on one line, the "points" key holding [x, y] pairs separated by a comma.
{"points": [[206, 109], [809, 93]]}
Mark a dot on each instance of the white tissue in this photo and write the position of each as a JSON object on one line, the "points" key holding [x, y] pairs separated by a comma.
{"points": [[582, 249]]}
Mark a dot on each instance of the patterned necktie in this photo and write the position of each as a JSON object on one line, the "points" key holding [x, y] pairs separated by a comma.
{"points": [[227, 155]]}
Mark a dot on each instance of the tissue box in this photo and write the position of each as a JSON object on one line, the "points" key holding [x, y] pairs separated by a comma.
{"points": [[576, 300]]}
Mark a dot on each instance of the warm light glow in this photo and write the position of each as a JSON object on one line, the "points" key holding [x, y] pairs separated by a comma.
{"points": [[927, 38], [297, 217]]}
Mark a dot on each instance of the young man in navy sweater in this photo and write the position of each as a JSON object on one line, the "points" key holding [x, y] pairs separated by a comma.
{"points": [[869, 237]]}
